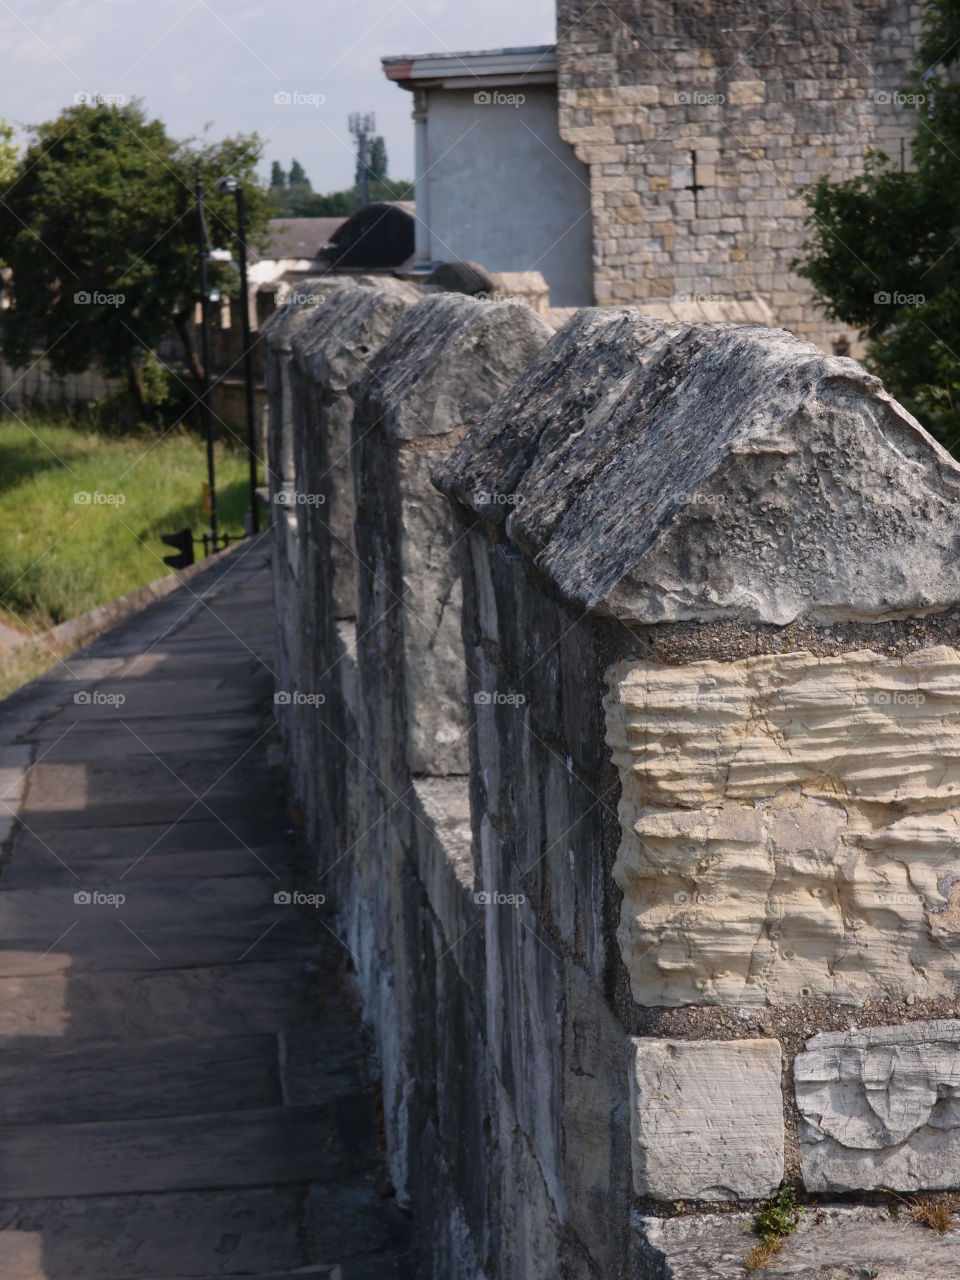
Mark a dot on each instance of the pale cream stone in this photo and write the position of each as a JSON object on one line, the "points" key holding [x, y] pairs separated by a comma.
{"points": [[746, 93], [790, 827]]}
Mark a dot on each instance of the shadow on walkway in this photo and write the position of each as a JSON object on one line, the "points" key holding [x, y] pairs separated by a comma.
{"points": [[184, 1086]]}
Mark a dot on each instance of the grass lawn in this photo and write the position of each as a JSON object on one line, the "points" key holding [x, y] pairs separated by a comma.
{"points": [[59, 557]]}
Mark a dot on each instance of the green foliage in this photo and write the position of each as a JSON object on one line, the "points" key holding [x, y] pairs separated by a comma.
{"points": [[62, 558], [99, 229], [167, 397], [298, 175], [881, 253], [377, 162], [779, 1216], [304, 203], [278, 179], [8, 155]]}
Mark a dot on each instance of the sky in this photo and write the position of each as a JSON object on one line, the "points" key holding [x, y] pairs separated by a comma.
{"points": [[216, 65]]}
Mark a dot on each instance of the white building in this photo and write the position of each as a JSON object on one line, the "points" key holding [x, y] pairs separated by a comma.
{"points": [[495, 183]]}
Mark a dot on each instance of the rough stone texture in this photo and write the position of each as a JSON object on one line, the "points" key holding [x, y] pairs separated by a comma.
{"points": [[278, 333], [657, 99], [332, 348], [706, 1118], [329, 346], [861, 1243], [444, 364], [657, 472], [791, 826], [880, 1107], [585, 495]]}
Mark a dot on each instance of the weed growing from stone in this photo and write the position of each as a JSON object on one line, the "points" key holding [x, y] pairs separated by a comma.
{"points": [[936, 1216], [773, 1224]]}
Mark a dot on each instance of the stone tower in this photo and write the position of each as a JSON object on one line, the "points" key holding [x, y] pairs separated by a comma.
{"points": [[702, 124]]}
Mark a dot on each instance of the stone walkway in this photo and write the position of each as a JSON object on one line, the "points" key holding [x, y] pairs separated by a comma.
{"points": [[184, 1089]]}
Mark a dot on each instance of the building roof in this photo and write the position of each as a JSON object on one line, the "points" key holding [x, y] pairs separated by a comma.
{"points": [[526, 64], [299, 237]]}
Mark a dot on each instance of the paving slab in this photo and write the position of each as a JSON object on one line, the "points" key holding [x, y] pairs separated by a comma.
{"points": [[182, 1070], [139, 1237]]}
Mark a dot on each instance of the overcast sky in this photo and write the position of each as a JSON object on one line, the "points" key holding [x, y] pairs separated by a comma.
{"points": [[210, 62]]}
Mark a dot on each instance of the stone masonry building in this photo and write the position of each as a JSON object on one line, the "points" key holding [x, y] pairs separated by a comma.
{"points": [[698, 128]]}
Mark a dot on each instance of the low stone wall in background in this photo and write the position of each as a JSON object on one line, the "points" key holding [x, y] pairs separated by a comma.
{"points": [[632, 777]]}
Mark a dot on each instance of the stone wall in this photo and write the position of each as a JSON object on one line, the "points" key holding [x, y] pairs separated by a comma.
{"points": [[633, 781], [701, 124]]}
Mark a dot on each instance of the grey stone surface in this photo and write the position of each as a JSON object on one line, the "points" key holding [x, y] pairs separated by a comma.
{"points": [[331, 349], [706, 1118], [658, 472], [445, 362], [139, 1081], [442, 837], [830, 1243], [880, 1107]]}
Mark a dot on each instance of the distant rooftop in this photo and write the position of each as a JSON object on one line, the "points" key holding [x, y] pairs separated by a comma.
{"points": [[524, 64], [299, 237]]}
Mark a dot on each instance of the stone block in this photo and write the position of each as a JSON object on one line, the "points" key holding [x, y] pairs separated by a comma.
{"points": [[746, 93], [790, 826], [706, 1119], [862, 1242], [714, 471], [596, 1121], [880, 1107]]}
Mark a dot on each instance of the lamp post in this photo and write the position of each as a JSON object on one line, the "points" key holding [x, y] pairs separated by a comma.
{"points": [[231, 184], [203, 243]]}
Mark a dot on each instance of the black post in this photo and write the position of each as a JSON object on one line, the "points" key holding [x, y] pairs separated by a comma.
{"points": [[205, 350], [247, 360]]}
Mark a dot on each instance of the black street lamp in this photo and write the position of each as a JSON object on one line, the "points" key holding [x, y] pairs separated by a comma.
{"points": [[234, 185], [203, 244]]}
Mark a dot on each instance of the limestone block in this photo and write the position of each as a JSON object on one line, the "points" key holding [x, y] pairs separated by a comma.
{"points": [[706, 1118], [863, 1242], [331, 349], [790, 826], [746, 93], [444, 363], [880, 1107], [662, 472], [596, 1122]]}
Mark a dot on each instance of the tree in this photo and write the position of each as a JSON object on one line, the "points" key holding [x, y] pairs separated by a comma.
{"points": [[8, 155], [8, 163], [278, 179], [303, 203], [298, 177], [99, 229], [882, 248], [377, 162]]}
